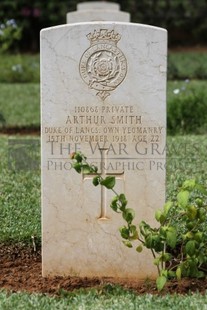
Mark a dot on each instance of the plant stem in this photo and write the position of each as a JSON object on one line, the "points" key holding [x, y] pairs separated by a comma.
{"points": [[158, 268]]}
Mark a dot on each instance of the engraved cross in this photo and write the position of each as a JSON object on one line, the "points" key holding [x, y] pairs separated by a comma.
{"points": [[103, 174]]}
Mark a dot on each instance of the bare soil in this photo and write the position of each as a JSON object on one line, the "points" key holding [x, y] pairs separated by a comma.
{"points": [[22, 130], [20, 270], [186, 49]]}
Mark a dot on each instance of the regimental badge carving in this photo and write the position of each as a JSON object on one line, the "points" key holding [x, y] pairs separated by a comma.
{"points": [[103, 65]]}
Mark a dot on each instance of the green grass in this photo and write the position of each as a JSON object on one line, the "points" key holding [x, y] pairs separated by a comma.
{"points": [[20, 105], [183, 86], [19, 68], [19, 198], [186, 107], [20, 189], [186, 159], [190, 151], [109, 298], [183, 65]]}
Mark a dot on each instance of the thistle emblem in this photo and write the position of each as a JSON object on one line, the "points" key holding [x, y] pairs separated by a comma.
{"points": [[103, 66]]}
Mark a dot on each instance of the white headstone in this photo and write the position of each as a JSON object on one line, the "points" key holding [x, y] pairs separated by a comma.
{"points": [[97, 11], [103, 88], [98, 5]]}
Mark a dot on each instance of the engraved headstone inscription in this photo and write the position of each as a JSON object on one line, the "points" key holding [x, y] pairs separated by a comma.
{"points": [[103, 88]]}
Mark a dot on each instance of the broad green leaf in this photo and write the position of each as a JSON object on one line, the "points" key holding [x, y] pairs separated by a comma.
{"points": [[133, 229], [171, 237], [189, 235], [108, 182], [182, 198], [148, 241], [79, 157], [198, 236], [114, 204], [191, 212], [96, 180], [190, 247], [171, 274], [94, 169], [86, 169], [158, 214], [156, 261], [128, 215], [124, 232], [167, 207], [144, 228], [199, 202], [139, 249], [133, 232], [127, 243], [166, 257], [77, 167], [164, 273], [157, 243], [163, 232], [201, 258], [160, 282], [162, 219], [202, 214], [123, 201], [192, 268], [178, 273], [115, 198], [189, 184]]}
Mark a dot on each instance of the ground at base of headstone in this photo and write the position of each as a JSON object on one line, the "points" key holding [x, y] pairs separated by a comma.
{"points": [[20, 270]]}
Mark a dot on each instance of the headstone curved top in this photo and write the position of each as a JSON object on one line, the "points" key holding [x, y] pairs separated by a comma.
{"points": [[97, 11], [98, 5]]}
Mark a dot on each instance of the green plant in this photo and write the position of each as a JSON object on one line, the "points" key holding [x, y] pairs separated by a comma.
{"points": [[187, 65], [114, 298], [9, 34], [186, 109], [178, 245]]}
